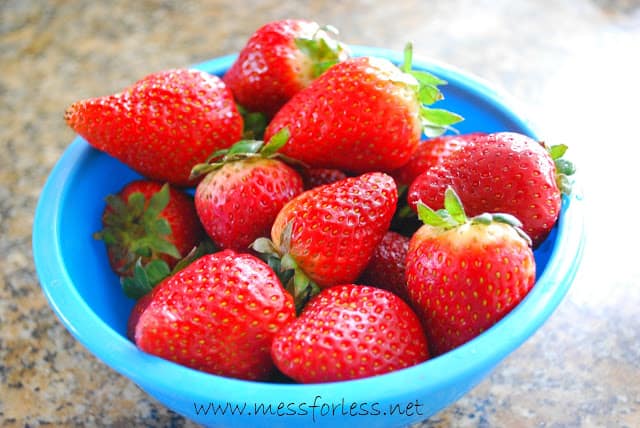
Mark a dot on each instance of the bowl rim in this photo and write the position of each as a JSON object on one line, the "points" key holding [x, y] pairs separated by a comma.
{"points": [[479, 355]]}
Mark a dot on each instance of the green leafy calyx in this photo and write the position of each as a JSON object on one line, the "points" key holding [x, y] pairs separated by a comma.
{"points": [[144, 278], [453, 215], [323, 49], [134, 229], [293, 278], [564, 167], [434, 121], [245, 149]]}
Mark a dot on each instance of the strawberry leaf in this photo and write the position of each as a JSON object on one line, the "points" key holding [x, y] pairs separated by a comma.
{"points": [[453, 205], [434, 121], [151, 244], [276, 142], [135, 204], [564, 183], [303, 289], [428, 216], [322, 49], [426, 78], [204, 247], [287, 262], [157, 202], [564, 167], [557, 151], [158, 226], [408, 58], [144, 278], [245, 146], [264, 246], [506, 218], [157, 270], [429, 94], [440, 117]]}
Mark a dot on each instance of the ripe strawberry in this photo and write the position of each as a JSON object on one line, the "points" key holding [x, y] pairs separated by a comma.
{"points": [[386, 268], [148, 221], [362, 114], [502, 172], [218, 315], [429, 153], [464, 275], [349, 332], [328, 234], [162, 125], [318, 176], [242, 193], [280, 59]]}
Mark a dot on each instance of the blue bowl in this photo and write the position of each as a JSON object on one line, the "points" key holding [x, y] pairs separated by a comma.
{"points": [[86, 296]]}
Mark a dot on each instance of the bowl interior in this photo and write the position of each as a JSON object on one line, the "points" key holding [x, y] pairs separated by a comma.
{"points": [[86, 295]]}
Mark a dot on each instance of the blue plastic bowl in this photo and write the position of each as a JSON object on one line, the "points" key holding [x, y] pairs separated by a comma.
{"points": [[86, 296]]}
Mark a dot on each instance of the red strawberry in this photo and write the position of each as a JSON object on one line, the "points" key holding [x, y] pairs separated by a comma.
{"points": [[162, 125], [362, 114], [386, 269], [328, 234], [349, 332], [502, 172], [318, 176], [148, 221], [279, 60], [429, 153], [464, 275], [242, 193], [218, 315]]}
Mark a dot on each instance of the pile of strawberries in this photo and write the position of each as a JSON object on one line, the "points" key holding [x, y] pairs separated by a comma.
{"points": [[291, 219]]}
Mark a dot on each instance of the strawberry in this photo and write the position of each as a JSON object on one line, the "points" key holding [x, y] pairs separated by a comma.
{"points": [[363, 114], [148, 222], [386, 268], [318, 176], [349, 332], [465, 274], [280, 59], [243, 191], [429, 153], [162, 125], [502, 172], [327, 235], [218, 315]]}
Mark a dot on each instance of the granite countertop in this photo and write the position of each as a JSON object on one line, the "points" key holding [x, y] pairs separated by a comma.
{"points": [[567, 62]]}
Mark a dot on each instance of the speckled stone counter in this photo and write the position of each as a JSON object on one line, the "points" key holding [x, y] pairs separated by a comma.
{"points": [[568, 62]]}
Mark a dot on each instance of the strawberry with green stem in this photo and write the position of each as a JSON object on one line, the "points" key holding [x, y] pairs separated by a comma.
{"points": [[243, 190], [280, 59], [363, 114], [326, 236], [147, 228], [465, 274]]}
